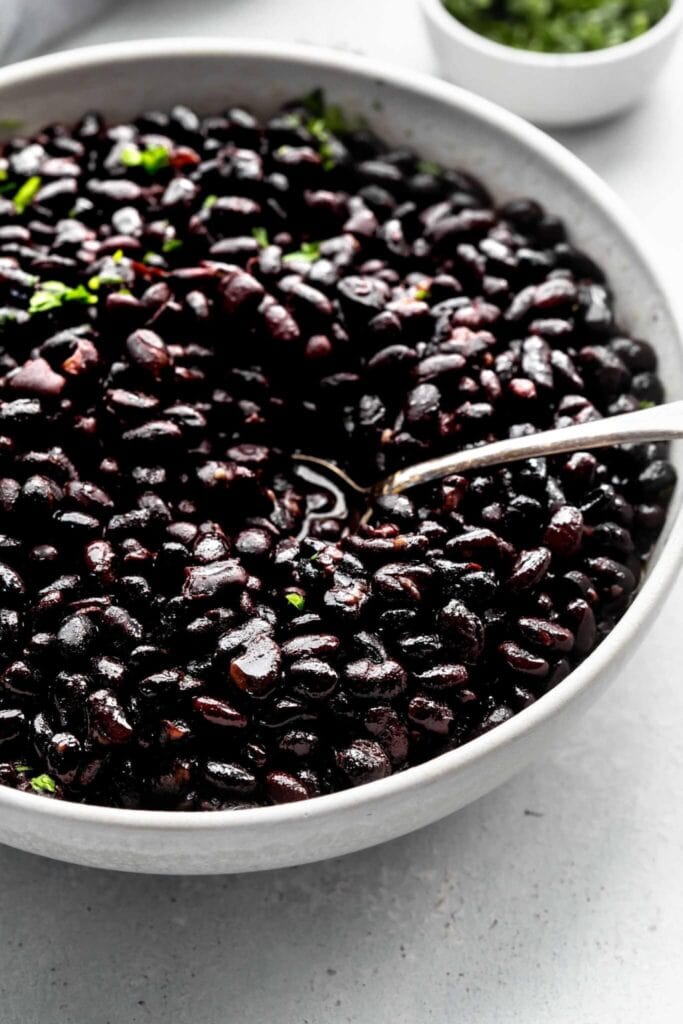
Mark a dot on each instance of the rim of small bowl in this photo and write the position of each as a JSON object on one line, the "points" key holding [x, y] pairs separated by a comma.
{"points": [[488, 48], [657, 580]]}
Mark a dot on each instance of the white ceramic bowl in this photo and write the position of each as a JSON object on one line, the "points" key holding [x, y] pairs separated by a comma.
{"points": [[552, 89], [513, 158]]}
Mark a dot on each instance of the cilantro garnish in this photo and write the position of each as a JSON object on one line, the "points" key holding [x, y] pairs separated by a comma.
{"points": [[43, 784], [171, 244], [428, 167], [296, 601], [309, 251], [26, 194], [118, 256], [209, 202], [331, 115], [53, 294], [261, 236], [153, 159]]}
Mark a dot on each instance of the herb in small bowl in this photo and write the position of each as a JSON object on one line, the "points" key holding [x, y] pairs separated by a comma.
{"points": [[558, 26]]}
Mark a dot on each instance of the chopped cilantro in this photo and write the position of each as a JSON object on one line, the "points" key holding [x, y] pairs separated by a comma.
{"points": [[296, 601], [646, 404], [26, 194], [22, 768], [171, 244], [53, 294], [43, 784], [261, 236], [96, 282], [309, 251], [428, 167], [558, 26], [320, 132], [209, 202], [7, 187], [422, 293], [3, 174], [152, 160], [331, 116], [118, 256]]}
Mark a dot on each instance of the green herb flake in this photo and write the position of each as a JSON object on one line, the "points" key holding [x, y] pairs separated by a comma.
{"points": [[7, 187], [4, 174], [261, 236], [26, 194], [331, 116], [309, 251], [22, 768], [422, 294], [53, 294], [429, 167], [296, 601], [43, 784], [152, 160], [171, 244], [646, 404], [118, 256], [209, 202]]}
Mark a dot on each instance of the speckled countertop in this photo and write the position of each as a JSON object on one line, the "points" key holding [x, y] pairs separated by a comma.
{"points": [[556, 900]]}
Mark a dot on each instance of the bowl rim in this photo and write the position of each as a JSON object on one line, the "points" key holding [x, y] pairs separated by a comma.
{"points": [[489, 49], [657, 581]]}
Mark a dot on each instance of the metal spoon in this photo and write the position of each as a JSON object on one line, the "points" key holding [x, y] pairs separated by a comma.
{"points": [[661, 423]]}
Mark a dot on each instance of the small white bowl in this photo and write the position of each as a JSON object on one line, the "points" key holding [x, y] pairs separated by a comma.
{"points": [[455, 128], [553, 89]]}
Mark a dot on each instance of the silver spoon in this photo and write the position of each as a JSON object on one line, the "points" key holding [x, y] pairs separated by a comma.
{"points": [[661, 423]]}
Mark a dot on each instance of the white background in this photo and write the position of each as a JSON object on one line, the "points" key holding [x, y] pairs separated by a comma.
{"points": [[556, 900]]}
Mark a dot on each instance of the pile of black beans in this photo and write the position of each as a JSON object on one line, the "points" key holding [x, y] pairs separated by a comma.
{"points": [[188, 619]]}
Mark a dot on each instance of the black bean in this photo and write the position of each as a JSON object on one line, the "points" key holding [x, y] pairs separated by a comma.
{"points": [[363, 761], [545, 634], [257, 670], [229, 777], [217, 711], [529, 569], [367, 679], [109, 725]]}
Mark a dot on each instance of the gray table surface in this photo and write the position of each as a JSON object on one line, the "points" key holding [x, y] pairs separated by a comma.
{"points": [[556, 899]]}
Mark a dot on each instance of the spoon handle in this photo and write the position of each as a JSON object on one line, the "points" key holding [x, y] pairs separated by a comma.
{"points": [[660, 423]]}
